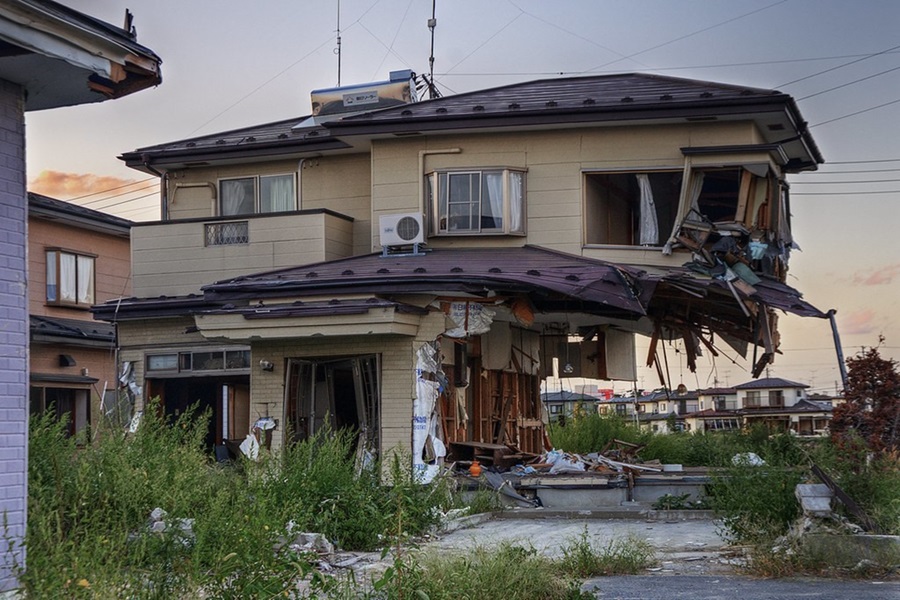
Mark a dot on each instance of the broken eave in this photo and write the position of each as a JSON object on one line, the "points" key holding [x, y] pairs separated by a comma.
{"points": [[335, 318]]}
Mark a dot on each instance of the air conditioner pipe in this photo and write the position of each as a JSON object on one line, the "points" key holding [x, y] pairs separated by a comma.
{"points": [[422, 155]]}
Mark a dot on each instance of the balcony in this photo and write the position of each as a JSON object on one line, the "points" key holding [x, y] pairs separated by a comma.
{"points": [[175, 258]]}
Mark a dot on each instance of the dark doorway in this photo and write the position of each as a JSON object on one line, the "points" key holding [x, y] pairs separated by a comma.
{"points": [[342, 393], [226, 399]]}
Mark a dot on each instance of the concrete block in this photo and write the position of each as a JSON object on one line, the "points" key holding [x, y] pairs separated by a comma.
{"points": [[815, 499]]}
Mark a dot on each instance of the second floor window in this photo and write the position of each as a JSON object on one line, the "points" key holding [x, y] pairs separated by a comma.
{"points": [[641, 208], [753, 399], [477, 202], [262, 194], [70, 278]]}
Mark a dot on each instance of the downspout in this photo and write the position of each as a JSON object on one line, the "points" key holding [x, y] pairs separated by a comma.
{"points": [[300, 183], [422, 155], [163, 187], [837, 347]]}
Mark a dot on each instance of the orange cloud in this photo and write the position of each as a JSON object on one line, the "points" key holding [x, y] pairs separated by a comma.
{"points": [[859, 322], [880, 276], [65, 186]]}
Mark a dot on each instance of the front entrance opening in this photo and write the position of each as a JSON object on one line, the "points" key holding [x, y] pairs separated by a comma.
{"points": [[226, 398], [341, 393]]}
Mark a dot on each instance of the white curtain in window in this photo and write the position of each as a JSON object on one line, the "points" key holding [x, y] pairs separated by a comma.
{"points": [[234, 196], [516, 201], [694, 194], [67, 291], [649, 226], [276, 193], [85, 280], [692, 212], [494, 184]]}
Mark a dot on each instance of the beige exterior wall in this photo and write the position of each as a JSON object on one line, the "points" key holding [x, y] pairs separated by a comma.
{"points": [[339, 183], [555, 162], [342, 184], [398, 359], [173, 259]]}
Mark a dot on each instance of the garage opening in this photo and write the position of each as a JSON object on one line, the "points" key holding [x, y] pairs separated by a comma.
{"points": [[335, 392]]}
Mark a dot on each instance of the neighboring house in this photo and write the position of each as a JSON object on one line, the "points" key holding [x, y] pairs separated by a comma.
{"points": [[662, 410], [782, 405], [718, 399], [52, 56], [77, 258], [617, 405], [769, 392], [564, 404], [711, 419], [416, 270]]}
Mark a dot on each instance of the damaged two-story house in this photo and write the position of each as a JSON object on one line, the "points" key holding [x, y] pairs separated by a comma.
{"points": [[414, 269]]}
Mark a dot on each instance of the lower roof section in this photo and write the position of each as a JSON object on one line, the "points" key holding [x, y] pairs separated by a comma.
{"points": [[354, 317]]}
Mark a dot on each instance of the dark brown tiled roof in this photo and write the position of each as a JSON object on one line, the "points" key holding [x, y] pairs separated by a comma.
{"points": [[552, 280], [769, 383], [617, 93], [77, 329], [44, 205], [560, 101]]}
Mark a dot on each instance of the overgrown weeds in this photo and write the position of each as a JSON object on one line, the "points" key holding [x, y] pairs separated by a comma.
{"points": [[88, 529], [511, 571], [620, 556]]}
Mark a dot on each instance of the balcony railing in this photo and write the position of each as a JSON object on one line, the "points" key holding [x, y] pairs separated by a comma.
{"points": [[227, 234]]}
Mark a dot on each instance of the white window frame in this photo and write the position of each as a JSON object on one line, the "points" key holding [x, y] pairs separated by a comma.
{"points": [[257, 181], [84, 293], [512, 223]]}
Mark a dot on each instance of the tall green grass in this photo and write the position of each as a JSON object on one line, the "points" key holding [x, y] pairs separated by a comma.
{"points": [[88, 508]]}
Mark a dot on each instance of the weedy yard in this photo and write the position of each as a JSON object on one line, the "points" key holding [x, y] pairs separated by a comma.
{"points": [[226, 528]]}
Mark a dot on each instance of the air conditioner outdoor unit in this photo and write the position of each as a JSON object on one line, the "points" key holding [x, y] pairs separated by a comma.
{"points": [[402, 229]]}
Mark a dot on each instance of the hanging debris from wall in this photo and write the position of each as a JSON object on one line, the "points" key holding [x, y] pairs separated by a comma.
{"points": [[427, 447]]}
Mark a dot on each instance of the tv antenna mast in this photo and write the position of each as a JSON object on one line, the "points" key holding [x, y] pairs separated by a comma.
{"points": [[337, 50], [432, 23]]}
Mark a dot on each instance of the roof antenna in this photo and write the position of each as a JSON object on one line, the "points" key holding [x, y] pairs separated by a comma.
{"points": [[432, 23], [337, 50]]}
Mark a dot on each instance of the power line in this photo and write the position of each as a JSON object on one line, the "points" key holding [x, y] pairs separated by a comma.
{"points": [[572, 33], [656, 69], [846, 171], [853, 114], [843, 85], [851, 193], [104, 199], [843, 182], [859, 162], [112, 189], [852, 62], [495, 34], [129, 200], [683, 37]]}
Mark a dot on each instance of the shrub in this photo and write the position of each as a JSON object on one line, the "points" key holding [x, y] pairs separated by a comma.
{"points": [[592, 432], [755, 503]]}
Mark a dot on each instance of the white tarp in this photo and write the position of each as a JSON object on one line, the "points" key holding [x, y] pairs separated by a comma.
{"points": [[469, 318], [424, 420]]}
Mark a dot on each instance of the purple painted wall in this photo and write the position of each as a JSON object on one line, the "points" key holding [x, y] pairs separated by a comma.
{"points": [[13, 333]]}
